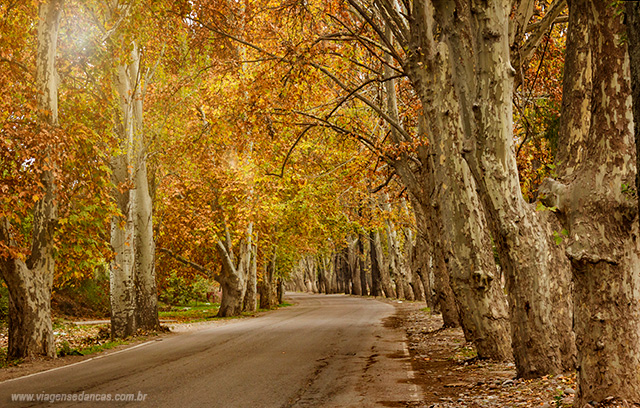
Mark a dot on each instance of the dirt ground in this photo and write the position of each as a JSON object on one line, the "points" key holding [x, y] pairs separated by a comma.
{"points": [[450, 376]]}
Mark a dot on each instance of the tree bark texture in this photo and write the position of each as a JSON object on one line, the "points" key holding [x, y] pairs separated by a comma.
{"points": [[429, 229], [250, 303], [456, 215], [596, 204], [268, 290], [354, 267], [364, 285], [234, 274], [633, 46], [134, 302], [465, 83]]}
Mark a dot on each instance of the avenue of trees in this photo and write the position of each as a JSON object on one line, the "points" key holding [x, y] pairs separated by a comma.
{"points": [[478, 155]]}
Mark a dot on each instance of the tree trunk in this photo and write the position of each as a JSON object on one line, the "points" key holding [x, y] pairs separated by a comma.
{"points": [[596, 203], [250, 303], [456, 229], [396, 273], [146, 291], [444, 296], [268, 290], [233, 277], [376, 278], [633, 46], [383, 267], [469, 101], [420, 263], [456, 225], [417, 286], [134, 302], [232, 296], [30, 328], [354, 267], [361, 265], [397, 262], [280, 291], [29, 283]]}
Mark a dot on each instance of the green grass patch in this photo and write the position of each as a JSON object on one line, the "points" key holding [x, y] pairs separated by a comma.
{"points": [[190, 312], [65, 349], [101, 347], [4, 363], [426, 309], [285, 304]]}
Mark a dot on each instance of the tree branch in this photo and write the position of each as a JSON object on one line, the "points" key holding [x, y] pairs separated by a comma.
{"points": [[187, 262]]}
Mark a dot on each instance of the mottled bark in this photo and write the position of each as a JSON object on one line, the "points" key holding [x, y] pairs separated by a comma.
{"points": [[429, 233], [280, 291], [464, 263], [474, 58], [379, 269], [268, 290], [145, 251], [456, 221], [420, 264], [132, 272], [354, 267], [364, 285], [444, 294], [233, 277], [397, 265], [633, 47], [29, 282], [417, 286], [250, 303], [595, 202]]}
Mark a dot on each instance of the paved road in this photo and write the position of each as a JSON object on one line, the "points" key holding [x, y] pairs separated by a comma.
{"points": [[326, 351]]}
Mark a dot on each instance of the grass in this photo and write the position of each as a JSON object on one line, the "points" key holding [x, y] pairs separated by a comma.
{"points": [[66, 350], [426, 309], [190, 312], [104, 346], [4, 363]]}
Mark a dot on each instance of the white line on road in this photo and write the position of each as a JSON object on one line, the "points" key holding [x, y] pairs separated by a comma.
{"points": [[415, 391], [79, 362]]}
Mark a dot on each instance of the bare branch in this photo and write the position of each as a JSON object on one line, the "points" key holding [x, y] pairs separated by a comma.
{"points": [[187, 262], [383, 185], [375, 27], [533, 27], [395, 22], [17, 64], [364, 99], [522, 57]]}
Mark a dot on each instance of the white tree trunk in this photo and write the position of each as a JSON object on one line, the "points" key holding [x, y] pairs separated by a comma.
{"points": [[132, 282], [251, 293], [234, 274]]}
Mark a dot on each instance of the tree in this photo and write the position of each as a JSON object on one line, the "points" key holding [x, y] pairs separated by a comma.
{"points": [[456, 56], [133, 281], [632, 13], [30, 280], [596, 202]]}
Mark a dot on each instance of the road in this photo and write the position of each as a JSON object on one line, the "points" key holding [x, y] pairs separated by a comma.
{"points": [[325, 351]]}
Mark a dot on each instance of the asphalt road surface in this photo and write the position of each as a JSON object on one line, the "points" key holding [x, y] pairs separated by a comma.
{"points": [[325, 351]]}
